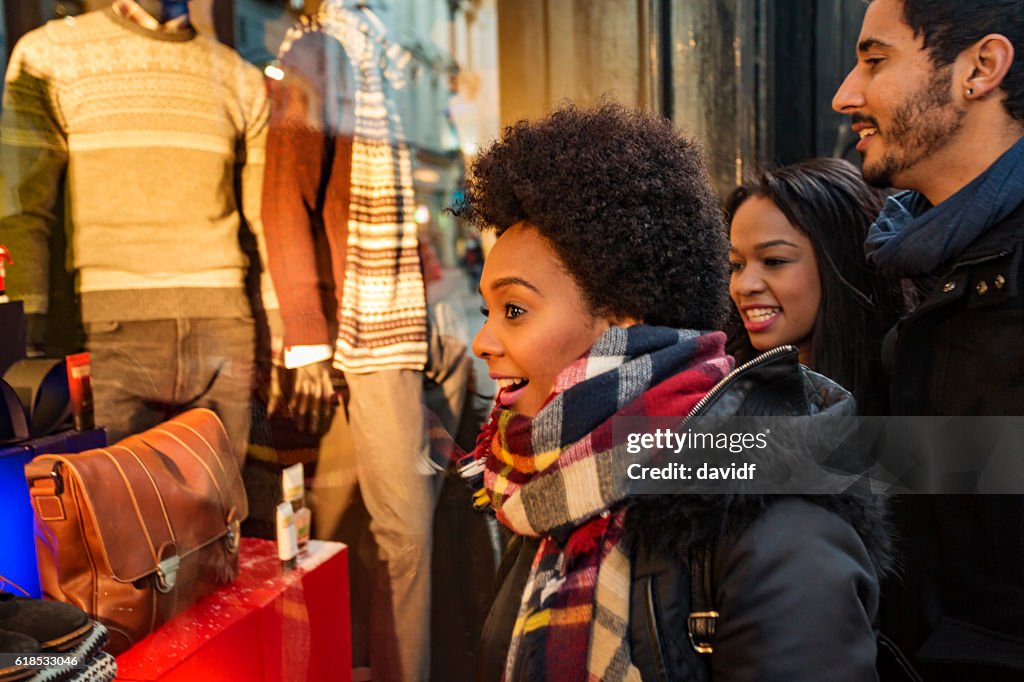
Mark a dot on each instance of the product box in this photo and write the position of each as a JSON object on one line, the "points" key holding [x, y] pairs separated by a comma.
{"points": [[18, 549], [269, 625]]}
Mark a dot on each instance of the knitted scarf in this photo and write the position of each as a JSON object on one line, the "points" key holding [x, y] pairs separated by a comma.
{"points": [[562, 476], [382, 316]]}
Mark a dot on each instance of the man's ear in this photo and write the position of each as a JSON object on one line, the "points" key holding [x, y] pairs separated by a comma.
{"points": [[983, 66]]}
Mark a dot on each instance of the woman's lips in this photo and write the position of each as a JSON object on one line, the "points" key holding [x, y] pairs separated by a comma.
{"points": [[508, 396], [762, 322]]}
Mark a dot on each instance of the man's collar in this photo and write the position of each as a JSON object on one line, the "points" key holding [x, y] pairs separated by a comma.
{"points": [[131, 10]]}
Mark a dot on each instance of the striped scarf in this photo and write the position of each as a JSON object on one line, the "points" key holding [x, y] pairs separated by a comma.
{"points": [[561, 476], [382, 316]]}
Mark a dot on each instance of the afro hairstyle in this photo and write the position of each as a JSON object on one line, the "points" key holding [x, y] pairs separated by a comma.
{"points": [[625, 201]]}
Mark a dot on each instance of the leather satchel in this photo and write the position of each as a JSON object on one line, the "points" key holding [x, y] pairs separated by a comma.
{"points": [[136, 532]]}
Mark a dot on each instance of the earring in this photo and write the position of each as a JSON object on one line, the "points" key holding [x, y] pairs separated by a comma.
{"points": [[970, 92]]}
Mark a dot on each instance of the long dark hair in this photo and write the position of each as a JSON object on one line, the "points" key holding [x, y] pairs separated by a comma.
{"points": [[829, 202]]}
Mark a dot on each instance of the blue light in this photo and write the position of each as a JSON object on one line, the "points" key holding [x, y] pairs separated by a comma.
{"points": [[17, 542]]}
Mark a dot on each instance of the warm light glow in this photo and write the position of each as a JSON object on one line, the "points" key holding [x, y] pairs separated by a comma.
{"points": [[274, 72], [422, 215], [428, 176]]}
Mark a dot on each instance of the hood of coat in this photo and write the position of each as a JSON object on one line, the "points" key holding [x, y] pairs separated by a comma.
{"points": [[775, 384]]}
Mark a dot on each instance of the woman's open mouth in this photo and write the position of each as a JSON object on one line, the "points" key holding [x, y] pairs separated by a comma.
{"points": [[510, 389], [759, 319]]}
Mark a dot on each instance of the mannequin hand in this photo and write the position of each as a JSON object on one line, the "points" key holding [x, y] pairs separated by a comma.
{"points": [[312, 394], [311, 397]]}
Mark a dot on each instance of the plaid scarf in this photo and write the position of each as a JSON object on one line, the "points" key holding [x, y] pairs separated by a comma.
{"points": [[562, 476], [383, 316]]}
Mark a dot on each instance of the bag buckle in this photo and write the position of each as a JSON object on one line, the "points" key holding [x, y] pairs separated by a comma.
{"points": [[701, 629], [167, 574], [53, 475], [58, 480]]}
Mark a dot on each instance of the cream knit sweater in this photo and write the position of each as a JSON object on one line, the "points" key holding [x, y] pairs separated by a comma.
{"points": [[158, 141]]}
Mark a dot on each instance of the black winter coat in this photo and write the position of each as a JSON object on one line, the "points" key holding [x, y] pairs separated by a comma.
{"points": [[795, 578], [959, 608]]}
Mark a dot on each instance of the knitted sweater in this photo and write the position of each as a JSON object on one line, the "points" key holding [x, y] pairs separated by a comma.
{"points": [[157, 140]]}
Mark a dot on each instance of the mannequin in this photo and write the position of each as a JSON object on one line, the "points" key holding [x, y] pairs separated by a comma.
{"points": [[164, 10], [152, 215], [372, 330]]}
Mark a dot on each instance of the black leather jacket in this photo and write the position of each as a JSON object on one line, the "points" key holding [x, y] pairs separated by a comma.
{"points": [[796, 579]]}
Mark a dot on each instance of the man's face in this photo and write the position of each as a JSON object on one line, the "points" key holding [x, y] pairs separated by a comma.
{"points": [[900, 103]]}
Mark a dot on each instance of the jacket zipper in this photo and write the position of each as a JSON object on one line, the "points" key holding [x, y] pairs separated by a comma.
{"points": [[979, 259], [660, 665], [718, 388]]}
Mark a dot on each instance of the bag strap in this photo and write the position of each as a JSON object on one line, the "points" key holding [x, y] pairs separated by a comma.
{"points": [[703, 617]]}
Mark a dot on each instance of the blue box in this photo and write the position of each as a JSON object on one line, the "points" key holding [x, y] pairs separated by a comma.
{"points": [[17, 534]]}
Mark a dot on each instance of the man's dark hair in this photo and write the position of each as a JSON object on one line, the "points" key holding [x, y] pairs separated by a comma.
{"points": [[951, 26], [624, 200], [829, 202]]}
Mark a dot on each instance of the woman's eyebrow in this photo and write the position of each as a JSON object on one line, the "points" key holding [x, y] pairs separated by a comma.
{"points": [[774, 242], [509, 281]]}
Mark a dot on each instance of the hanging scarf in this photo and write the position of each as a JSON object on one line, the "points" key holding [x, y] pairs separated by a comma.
{"points": [[562, 476], [382, 316], [911, 238]]}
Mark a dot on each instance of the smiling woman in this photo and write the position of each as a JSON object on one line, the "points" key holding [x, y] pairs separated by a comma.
{"points": [[799, 276], [775, 283]]}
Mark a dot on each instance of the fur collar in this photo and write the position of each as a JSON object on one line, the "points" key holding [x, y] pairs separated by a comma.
{"points": [[670, 525]]}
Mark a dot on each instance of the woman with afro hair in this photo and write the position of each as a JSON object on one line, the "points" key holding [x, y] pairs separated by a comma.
{"points": [[609, 268]]}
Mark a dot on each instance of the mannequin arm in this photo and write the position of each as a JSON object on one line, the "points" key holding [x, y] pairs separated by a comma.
{"points": [[33, 159]]}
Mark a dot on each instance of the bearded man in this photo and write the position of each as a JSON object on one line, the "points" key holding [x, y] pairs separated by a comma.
{"points": [[937, 97]]}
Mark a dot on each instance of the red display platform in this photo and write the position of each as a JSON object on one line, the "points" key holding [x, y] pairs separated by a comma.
{"points": [[269, 625]]}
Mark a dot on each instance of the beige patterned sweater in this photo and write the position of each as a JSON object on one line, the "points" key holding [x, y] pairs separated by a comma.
{"points": [[158, 142]]}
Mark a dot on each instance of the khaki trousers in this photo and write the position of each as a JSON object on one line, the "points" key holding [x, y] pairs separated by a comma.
{"points": [[372, 450]]}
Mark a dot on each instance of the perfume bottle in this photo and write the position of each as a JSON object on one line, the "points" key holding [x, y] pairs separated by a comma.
{"points": [[287, 544], [294, 492]]}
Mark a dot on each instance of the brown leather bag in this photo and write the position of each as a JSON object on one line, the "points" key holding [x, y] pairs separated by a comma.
{"points": [[136, 532]]}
